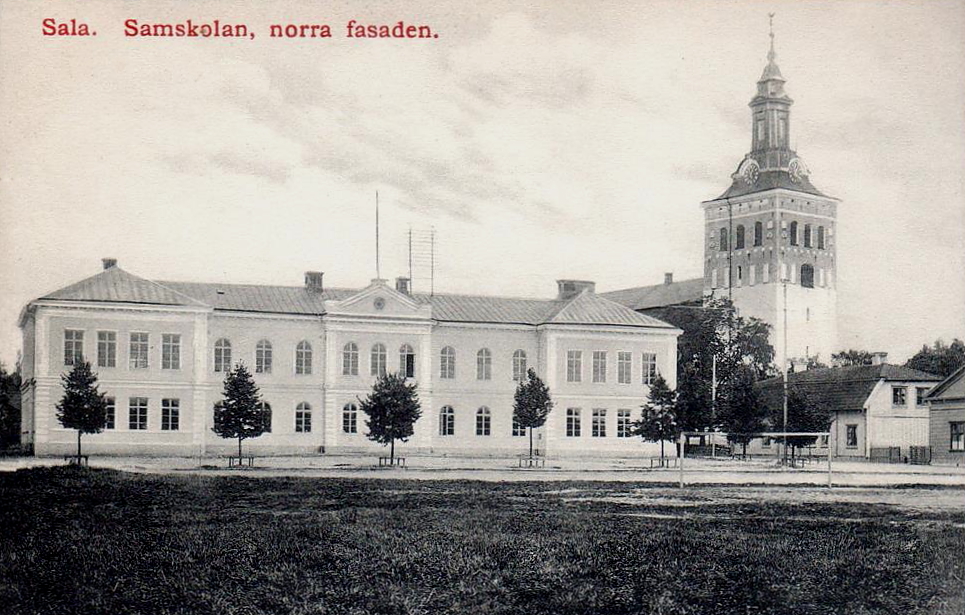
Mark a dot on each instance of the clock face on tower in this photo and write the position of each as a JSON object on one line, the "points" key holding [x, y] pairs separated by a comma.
{"points": [[749, 171]]}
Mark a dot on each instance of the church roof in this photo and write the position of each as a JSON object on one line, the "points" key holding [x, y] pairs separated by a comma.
{"points": [[659, 295], [117, 285], [842, 388], [768, 180]]}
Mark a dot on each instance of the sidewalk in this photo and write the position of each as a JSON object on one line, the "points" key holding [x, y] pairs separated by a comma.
{"points": [[696, 471]]}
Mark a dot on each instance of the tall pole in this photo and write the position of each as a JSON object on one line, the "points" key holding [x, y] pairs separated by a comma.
{"points": [[410, 261], [378, 268], [784, 426]]}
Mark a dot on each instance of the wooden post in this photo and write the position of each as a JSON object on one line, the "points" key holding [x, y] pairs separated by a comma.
{"points": [[829, 460], [680, 461]]}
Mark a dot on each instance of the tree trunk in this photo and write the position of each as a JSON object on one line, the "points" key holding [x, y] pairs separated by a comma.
{"points": [[744, 450], [661, 452], [392, 452], [530, 442], [78, 447], [239, 451]]}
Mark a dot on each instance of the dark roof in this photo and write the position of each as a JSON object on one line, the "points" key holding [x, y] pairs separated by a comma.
{"points": [[939, 389], [844, 388], [659, 295], [585, 308], [768, 180]]}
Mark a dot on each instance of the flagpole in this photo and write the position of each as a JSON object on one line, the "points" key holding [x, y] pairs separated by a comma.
{"points": [[378, 268]]}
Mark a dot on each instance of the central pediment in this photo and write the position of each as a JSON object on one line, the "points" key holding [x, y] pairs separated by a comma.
{"points": [[379, 300]]}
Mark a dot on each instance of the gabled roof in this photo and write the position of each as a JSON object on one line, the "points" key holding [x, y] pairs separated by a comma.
{"points": [[768, 180], [939, 390], [844, 388], [659, 295], [584, 309], [117, 285]]}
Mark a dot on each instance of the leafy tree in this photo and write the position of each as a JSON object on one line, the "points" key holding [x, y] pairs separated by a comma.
{"points": [[82, 407], [714, 331], [806, 411], [532, 404], [850, 357], [939, 359], [814, 363], [9, 406], [658, 419], [742, 410], [240, 414], [393, 408]]}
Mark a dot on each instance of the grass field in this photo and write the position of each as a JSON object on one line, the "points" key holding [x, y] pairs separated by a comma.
{"points": [[101, 541]]}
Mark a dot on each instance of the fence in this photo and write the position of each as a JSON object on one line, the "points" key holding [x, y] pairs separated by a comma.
{"points": [[919, 455], [886, 454]]}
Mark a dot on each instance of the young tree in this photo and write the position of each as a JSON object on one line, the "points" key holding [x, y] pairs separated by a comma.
{"points": [[658, 419], [849, 357], [9, 407], [393, 408], [532, 404], [939, 359], [240, 414], [82, 407], [741, 408], [806, 411]]}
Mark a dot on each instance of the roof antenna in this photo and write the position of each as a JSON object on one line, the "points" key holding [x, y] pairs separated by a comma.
{"points": [[378, 268]]}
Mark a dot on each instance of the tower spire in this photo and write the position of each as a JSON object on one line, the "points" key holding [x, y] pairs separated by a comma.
{"points": [[770, 54]]}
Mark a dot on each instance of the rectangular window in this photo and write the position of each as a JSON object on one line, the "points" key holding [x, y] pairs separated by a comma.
{"points": [[137, 413], [170, 351], [920, 393], [599, 366], [573, 427], [303, 421], [574, 365], [598, 425], [957, 440], [624, 366], [111, 415], [649, 367], [170, 414], [851, 440], [350, 419], [624, 427], [139, 351], [518, 430], [73, 346], [106, 349], [899, 396]]}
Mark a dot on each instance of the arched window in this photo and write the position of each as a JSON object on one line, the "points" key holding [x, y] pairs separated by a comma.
{"points": [[303, 417], [519, 365], [484, 365], [807, 235], [739, 239], [265, 409], [792, 231], [407, 361], [807, 276], [447, 421], [758, 233], [222, 355], [820, 238], [350, 359], [483, 422], [263, 357], [350, 418], [378, 360], [303, 358], [723, 240], [447, 363]]}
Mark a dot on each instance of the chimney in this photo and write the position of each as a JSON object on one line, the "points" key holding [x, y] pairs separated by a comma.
{"points": [[567, 289], [313, 281], [879, 358], [668, 277], [402, 285], [109, 263]]}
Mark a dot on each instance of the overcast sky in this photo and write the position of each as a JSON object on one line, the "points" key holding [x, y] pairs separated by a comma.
{"points": [[541, 140]]}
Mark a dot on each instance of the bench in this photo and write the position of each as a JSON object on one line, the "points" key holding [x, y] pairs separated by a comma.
{"points": [[389, 462], [244, 460], [525, 461], [75, 460], [666, 462]]}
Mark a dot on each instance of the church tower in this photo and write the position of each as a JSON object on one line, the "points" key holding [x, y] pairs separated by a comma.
{"points": [[769, 239]]}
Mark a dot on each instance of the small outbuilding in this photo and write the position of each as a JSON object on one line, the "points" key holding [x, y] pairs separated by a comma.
{"points": [[946, 419]]}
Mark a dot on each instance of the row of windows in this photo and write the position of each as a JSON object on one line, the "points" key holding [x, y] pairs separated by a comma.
{"points": [[137, 414], [447, 362], [899, 396], [264, 357], [377, 360], [574, 423], [740, 243], [139, 349], [574, 366], [749, 275]]}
